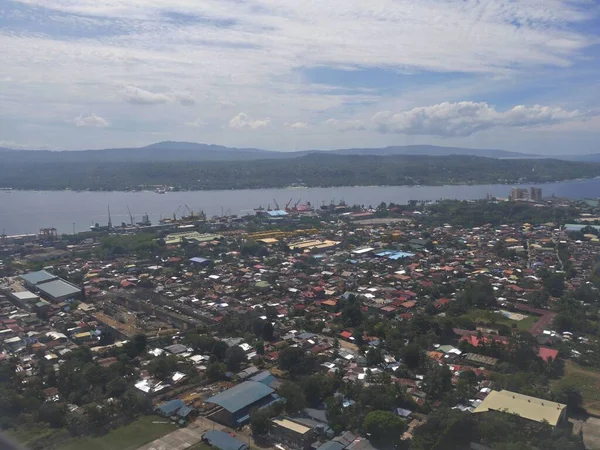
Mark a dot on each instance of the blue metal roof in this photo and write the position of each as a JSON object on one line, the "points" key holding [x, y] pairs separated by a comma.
{"points": [[241, 396], [199, 260], [264, 377], [171, 407], [223, 441], [399, 255], [185, 411]]}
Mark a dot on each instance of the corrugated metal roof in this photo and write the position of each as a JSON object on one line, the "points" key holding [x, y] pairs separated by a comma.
{"points": [[531, 408], [241, 396], [58, 288], [223, 441], [38, 277], [290, 425]]}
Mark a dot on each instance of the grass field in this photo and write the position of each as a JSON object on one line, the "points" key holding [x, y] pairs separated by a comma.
{"points": [[200, 446], [29, 436], [137, 433], [588, 380], [480, 315]]}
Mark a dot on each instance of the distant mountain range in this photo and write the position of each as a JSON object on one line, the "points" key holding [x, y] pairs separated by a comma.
{"points": [[170, 151]]}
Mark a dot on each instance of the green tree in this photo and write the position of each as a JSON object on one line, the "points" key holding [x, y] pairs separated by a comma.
{"points": [[437, 382], [234, 357], [293, 395], [77, 424], [219, 349], [162, 367], [216, 371], [268, 331], [374, 357], [260, 422], [53, 413], [116, 387], [384, 428], [569, 393], [291, 358], [412, 355]]}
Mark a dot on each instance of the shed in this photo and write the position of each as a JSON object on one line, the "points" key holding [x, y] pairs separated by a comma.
{"points": [[223, 441], [171, 407]]}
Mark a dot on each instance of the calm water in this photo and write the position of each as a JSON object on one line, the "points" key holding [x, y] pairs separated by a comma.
{"points": [[28, 211]]}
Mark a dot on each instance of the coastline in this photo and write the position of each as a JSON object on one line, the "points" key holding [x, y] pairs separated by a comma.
{"points": [[8, 190]]}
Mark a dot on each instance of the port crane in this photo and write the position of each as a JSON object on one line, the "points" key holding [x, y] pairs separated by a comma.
{"points": [[175, 213], [276, 204], [130, 216]]}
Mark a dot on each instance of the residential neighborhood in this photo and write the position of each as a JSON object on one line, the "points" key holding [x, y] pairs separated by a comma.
{"points": [[330, 329]]}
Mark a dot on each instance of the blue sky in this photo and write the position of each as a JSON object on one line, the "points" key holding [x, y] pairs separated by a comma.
{"points": [[521, 75]]}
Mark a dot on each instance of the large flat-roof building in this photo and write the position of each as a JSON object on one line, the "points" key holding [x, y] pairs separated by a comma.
{"points": [[235, 403], [50, 286], [59, 290], [529, 408], [32, 279]]}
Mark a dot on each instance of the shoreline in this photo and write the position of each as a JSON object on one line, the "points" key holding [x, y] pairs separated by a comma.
{"points": [[341, 186]]}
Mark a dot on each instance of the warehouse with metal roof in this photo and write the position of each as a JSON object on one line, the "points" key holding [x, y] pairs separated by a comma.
{"points": [[34, 278], [530, 408], [235, 403], [58, 290]]}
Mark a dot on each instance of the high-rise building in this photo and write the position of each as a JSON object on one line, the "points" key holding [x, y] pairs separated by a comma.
{"points": [[517, 194], [535, 194], [532, 194]]}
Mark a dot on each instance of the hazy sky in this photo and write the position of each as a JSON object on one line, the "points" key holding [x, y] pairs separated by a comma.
{"points": [[515, 74]]}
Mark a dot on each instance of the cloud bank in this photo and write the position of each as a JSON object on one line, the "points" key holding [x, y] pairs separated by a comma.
{"points": [[466, 118]]}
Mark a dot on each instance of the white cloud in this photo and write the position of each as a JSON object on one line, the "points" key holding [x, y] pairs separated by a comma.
{"points": [[198, 123], [139, 96], [346, 125], [466, 118], [242, 120], [255, 53], [296, 125], [90, 121]]}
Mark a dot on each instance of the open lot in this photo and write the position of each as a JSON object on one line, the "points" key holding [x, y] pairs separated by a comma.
{"points": [[588, 380], [130, 437], [524, 324]]}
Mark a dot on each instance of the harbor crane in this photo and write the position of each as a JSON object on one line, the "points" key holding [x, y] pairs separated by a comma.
{"points": [[130, 216], [175, 213], [276, 204], [288, 204]]}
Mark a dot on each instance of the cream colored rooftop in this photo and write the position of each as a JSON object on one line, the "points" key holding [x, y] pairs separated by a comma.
{"points": [[314, 244], [296, 427], [530, 408]]}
